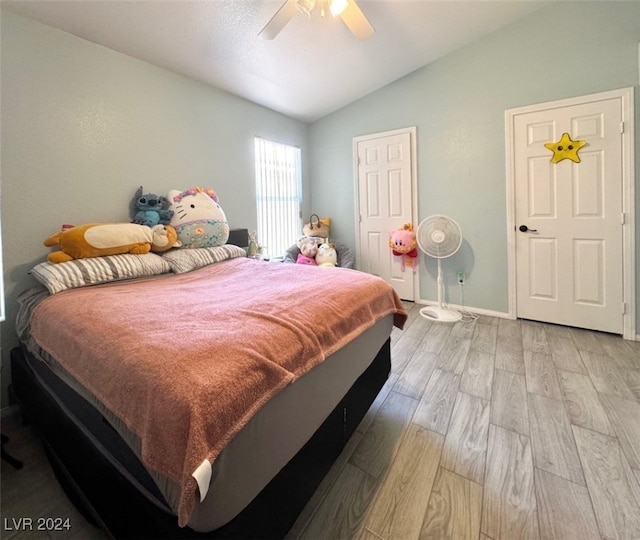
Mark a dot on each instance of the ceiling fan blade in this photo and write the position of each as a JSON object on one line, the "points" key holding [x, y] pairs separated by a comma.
{"points": [[279, 20], [355, 20]]}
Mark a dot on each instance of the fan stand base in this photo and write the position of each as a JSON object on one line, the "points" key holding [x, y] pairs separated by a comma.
{"points": [[440, 314]]}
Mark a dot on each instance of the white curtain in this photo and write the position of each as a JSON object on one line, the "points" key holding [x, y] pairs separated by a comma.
{"points": [[277, 195]]}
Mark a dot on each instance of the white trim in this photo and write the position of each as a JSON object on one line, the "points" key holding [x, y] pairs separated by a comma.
{"points": [[626, 97], [511, 213], [629, 207], [477, 311], [414, 187]]}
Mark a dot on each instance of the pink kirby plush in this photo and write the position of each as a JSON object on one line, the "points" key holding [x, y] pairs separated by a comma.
{"points": [[403, 244]]}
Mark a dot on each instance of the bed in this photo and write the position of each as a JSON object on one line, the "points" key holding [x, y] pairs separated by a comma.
{"points": [[205, 401]]}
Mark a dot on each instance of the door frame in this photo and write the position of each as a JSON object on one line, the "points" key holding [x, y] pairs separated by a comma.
{"points": [[414, 189], [626, 96]]}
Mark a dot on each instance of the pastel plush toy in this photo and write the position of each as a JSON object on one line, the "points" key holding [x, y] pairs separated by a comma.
{"points": [[150, 209], [303, 259], [100, 239], [327, 255], [309, 249], [403, 244], [308, 245], [198, 218]]}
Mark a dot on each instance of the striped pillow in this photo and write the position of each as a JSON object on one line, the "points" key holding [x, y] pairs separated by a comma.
{"points": [[83, 272], [185, 260]]}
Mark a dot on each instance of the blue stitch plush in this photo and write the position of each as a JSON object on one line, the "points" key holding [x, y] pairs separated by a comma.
{"points": [[150, 209]]}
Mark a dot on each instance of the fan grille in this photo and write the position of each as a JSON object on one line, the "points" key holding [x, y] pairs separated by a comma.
{"points": [[439, 236]]}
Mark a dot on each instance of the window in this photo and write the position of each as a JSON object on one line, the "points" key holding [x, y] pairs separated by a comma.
{"points": [[277, 195]]}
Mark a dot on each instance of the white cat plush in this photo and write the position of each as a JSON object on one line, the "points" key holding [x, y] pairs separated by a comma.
{"points": [[327, 255], [198, 218]]}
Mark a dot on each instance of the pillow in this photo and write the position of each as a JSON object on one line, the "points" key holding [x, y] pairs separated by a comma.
{"points": [[59, 277], [185, 260]]}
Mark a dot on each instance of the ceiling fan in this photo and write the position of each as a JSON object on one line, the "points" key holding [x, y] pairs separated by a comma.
{"points": [[347, 10]]}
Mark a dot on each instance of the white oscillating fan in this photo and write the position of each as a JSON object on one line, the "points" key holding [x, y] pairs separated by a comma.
{"points": [[439, 237]]}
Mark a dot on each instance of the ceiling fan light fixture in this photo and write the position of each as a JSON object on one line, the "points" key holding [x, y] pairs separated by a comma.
{"points": [[306, 7], [336, 7], [348, 11]]}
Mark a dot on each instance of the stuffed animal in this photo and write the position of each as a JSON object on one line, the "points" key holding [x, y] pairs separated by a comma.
{"points": [[308, 245], [198, 218], [150, 209], [327, 255], [403, 244], [309, 249], [303, 259], [100, 239]]}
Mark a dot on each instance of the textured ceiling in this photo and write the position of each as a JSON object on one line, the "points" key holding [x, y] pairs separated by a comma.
{"points": [[313, 67]]}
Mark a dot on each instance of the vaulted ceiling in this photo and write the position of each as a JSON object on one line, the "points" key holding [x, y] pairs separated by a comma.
{"points": [[313, 67]]}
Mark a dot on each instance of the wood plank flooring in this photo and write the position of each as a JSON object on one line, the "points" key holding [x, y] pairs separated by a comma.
{"points": [[522, 430], [33, 492], [486, 429]]}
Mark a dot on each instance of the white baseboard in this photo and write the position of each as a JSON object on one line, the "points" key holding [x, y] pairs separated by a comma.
{"points": [[477, 311]]}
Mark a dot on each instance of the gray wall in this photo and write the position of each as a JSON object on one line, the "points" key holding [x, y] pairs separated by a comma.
{"points": [[458, 106], [84, 126]]}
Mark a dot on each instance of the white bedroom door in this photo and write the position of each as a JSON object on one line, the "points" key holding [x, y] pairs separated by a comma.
{"points": [[569, 216], [385, 192]]}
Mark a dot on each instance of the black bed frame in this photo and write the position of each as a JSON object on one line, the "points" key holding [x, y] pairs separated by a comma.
{"points": [[107, 498]]}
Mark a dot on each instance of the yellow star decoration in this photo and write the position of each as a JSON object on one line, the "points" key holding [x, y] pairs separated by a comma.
{"points": [[565, 148]]}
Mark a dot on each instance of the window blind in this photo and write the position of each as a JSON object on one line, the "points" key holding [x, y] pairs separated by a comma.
{"points": [[278, 180]]}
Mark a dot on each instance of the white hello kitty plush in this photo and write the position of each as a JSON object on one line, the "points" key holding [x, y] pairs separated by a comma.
{"points": [[198, 218]]}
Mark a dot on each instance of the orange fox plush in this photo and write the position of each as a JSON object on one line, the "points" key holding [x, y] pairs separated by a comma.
{"points": [[100, 239]]}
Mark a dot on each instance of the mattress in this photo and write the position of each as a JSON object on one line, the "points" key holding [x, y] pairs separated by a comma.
{"points": [[252, 458]]}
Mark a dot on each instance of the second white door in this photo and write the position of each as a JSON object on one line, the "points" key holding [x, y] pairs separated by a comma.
{"points": [[385, 168]]}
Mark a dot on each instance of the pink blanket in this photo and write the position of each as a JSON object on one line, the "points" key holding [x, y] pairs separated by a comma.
{"points": [[169, 354]]}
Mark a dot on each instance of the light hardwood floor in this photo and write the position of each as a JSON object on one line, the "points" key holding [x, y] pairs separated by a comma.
{"points": [[33, 492], [487, 429], [492, 429]]}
